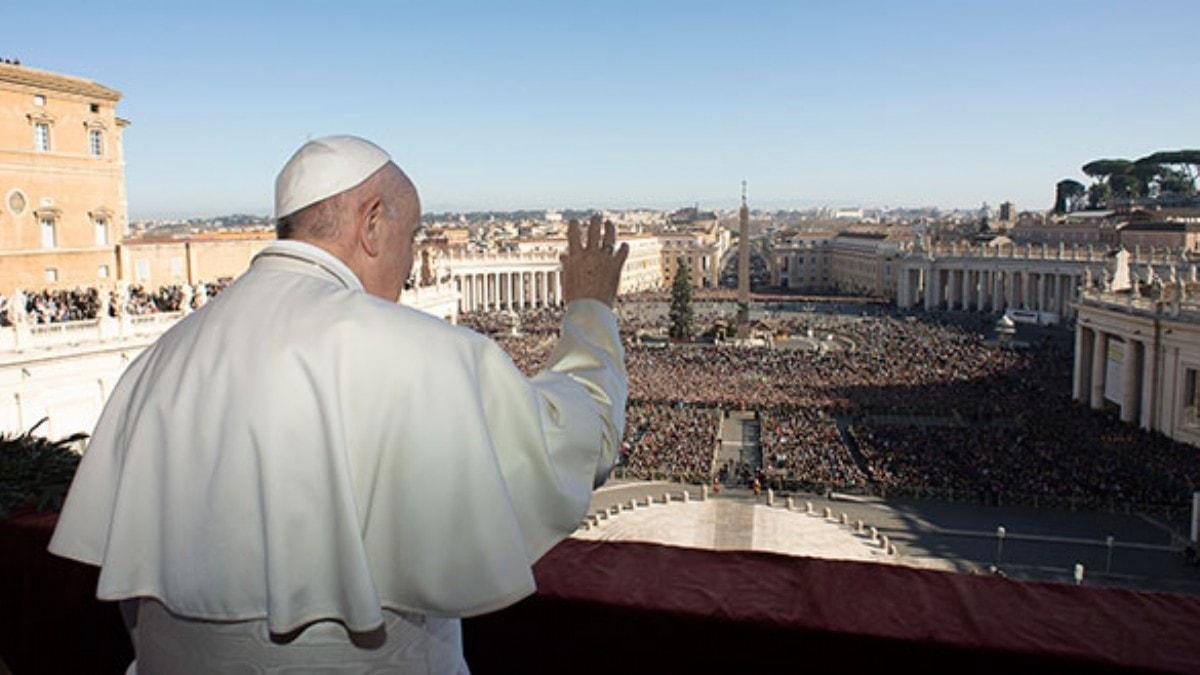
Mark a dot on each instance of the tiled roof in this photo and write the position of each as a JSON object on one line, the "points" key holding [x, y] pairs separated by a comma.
{"points": [[32, 77]]}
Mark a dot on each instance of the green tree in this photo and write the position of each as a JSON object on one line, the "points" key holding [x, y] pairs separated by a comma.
{"points": [[681, 301], [1118, 178], [1185, 161], [1098, 195], [1067, 194]]}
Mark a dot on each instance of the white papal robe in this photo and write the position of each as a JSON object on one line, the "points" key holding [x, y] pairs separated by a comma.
{"points": [[300, 451]]}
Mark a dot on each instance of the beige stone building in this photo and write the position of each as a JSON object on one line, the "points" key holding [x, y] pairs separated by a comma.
{"points": [[1162, 228], [62, 180], [855, 262], [704, 249], [1141, 357], [200, 258]]}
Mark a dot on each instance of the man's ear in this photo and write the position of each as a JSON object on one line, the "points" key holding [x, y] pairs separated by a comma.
{"points": [[371, 232]]}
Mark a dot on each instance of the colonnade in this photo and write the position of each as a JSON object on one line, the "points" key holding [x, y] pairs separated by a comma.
{"points": [[1138, 356], [509, 289], [997, 289]]}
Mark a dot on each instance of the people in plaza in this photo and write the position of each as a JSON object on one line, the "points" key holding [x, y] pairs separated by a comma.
{"points": [[932, 408], [306, 476], [59, 305]]}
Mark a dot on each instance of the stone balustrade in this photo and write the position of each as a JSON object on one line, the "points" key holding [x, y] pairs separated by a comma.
{"points": [[1038, 278]]}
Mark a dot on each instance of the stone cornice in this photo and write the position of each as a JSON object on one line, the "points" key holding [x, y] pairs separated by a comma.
{"points": [[43, 80]]}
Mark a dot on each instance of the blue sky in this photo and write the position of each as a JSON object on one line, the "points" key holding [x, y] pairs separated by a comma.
{"points": [[614, 104]]}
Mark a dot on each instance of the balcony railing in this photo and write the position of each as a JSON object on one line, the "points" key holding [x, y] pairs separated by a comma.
{"points": [[602, 607]]}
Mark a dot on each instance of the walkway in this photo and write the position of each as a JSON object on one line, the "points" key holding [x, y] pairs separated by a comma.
{"points": [[740, 440]]}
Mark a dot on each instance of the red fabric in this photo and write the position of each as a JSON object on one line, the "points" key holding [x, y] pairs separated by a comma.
{"points": [[50, 620], [674, 607], [648, 608]]}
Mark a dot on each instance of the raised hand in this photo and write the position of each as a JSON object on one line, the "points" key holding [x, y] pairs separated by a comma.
{"points": [[592, 270]]}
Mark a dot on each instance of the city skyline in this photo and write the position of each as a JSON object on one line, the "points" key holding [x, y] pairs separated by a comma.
{"points": [[621, 106]]}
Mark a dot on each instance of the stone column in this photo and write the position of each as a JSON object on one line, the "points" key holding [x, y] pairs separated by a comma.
{"points": [[558, 290], [902, 289], [1149, 379], [965, 300], [1081, 375], [1099, 361], [1131, 385], [545, 292], [930, 289]]}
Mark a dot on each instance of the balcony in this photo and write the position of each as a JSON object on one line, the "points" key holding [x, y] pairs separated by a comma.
{"points": [[638, 607]]}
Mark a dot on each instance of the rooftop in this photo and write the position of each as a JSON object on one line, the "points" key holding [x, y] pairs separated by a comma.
{"points": [[41, 79]]}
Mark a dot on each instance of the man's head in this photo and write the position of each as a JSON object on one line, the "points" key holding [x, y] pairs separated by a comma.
{"points": [[345, 195]]}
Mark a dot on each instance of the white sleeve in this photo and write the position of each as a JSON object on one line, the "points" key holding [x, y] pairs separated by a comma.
{"points": [[556, 435], [589, 352]]}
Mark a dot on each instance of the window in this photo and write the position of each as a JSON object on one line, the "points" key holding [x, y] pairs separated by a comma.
{"points": [[39, 100], [95, 107], [102, 271], [96, 142], [48, 238], [101, 231], [143, 270], [41, 137], [51, 275]]}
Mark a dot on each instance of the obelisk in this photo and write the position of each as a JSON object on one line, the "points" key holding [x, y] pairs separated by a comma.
{"points": [[743, 320]]}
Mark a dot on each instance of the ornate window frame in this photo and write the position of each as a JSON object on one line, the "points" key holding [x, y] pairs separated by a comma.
{"points": [[42, 117], [96, 126], [106, 214]]}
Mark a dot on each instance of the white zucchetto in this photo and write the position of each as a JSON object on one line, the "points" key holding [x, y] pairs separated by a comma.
{"points": [[324, 167]]}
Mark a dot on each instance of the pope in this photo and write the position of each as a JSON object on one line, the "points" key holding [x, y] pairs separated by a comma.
{"points": [[306, 476]]}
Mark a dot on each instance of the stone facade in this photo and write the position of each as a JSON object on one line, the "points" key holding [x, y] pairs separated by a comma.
{"points": [[824, 262], [1141, 356], [1041, 279], [62, 180]]}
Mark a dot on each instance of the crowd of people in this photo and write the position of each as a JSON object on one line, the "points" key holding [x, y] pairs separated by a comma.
{"points": [[927, 406], [670, 440], [802, 445], [987, 423], [85, 304]]}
